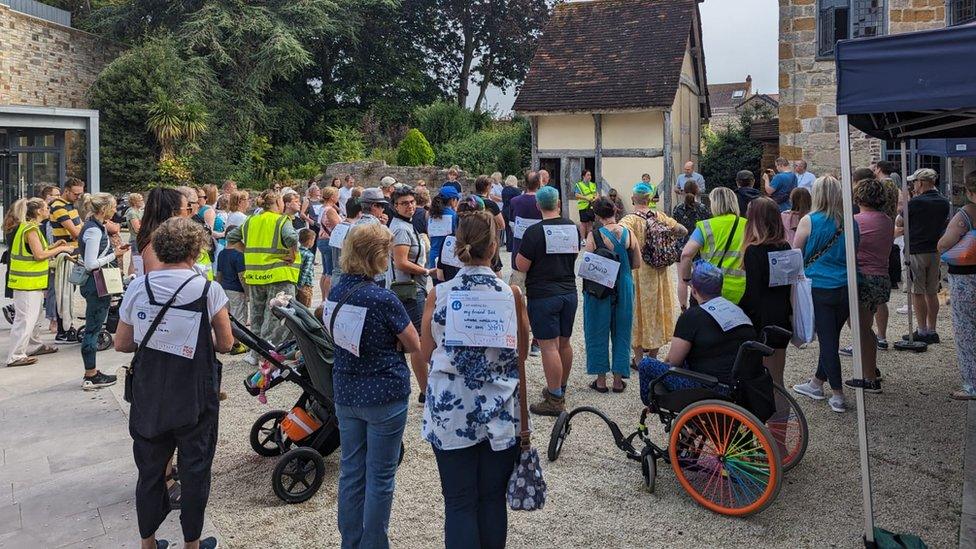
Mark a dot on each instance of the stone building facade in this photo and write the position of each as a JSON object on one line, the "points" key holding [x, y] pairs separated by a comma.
{"points": [[807, 76], [368, 174], [46, 64]]}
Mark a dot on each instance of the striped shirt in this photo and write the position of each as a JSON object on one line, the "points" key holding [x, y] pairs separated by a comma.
{"points": [[62, 211]]}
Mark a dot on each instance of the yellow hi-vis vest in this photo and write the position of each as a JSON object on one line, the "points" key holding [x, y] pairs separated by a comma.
{"points": [[266, 259], [204, 266], [587, 189], [26, 273], [717, 232]]}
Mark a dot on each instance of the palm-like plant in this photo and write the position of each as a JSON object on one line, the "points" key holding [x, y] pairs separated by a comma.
{"points": [[170, 122]]}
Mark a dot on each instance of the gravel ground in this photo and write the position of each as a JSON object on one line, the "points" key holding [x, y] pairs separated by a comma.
{"points": [[596, 496]]}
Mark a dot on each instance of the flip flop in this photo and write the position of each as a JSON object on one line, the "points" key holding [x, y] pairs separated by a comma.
{"points": [[44, 350], [623, 385], [597, 388]]}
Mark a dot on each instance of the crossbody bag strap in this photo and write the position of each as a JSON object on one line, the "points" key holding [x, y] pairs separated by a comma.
{"points": [[822, 251], [342, 301], [728, 243], [525, 434], [159, 317]]}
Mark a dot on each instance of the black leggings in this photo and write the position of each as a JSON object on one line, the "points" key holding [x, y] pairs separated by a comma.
{"points": [[196, 446]]}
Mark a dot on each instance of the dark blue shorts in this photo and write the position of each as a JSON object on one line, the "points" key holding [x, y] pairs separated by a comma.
{"points": [[552, 317]]}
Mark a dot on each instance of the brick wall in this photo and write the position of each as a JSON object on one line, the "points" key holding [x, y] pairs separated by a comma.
{"points": [[45, 64], [808, 87]]}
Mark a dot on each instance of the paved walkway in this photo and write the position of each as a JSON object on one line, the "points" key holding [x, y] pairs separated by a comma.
{"points": [[967, 522], [67, 478]]}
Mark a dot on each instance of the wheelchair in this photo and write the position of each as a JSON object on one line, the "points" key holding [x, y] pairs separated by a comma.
{"points": [[728, 444]]}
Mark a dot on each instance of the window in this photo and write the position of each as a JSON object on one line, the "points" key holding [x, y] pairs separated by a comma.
{"points": [[842, 19], [738, 93], [960, 12]]}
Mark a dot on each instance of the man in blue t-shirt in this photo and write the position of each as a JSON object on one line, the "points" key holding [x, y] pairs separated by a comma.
{"points": [[781, 184]]}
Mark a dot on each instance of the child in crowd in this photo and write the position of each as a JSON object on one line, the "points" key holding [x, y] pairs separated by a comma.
{"points": [[306, 276], [230, 276]]}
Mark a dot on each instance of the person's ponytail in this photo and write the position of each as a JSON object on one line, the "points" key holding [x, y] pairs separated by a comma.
{"points": [[691, 194], [475, 236]]}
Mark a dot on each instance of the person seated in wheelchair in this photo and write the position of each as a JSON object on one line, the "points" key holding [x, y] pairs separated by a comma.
{"points": [[706, 338]]}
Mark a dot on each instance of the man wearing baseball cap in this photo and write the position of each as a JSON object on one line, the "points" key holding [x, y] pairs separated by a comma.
{"points": [[928, 217], [387, 184]]}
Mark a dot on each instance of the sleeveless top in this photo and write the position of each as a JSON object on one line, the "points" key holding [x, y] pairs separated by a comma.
{"points": [[170, 392]]}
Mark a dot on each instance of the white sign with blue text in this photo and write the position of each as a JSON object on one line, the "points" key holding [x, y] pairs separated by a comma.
{"points": [[601, 270], [480, 319]]}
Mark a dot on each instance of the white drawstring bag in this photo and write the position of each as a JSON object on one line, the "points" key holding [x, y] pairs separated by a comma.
{"points": [[802, 299]]}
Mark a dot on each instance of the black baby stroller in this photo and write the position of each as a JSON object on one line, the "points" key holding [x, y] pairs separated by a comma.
{"points": [[309, 431], [728, 445]]}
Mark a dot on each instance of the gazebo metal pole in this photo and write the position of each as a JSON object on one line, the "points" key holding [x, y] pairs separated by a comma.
{"points": [[906, 256], [851, 257]]}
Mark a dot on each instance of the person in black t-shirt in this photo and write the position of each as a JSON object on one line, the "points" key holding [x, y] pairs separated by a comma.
{"points": [[550, 284], [482, 186], [699, 343]]}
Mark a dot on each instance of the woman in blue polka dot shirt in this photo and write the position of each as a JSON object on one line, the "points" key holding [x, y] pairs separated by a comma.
{"points": [[372, 384]]}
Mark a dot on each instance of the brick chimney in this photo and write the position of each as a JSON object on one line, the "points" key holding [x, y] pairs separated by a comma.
{"points": [[748, 85]]}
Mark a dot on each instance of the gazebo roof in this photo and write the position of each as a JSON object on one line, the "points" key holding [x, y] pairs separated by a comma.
{"points": [[610, 55]]}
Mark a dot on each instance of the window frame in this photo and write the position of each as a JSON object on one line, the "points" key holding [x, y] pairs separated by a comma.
{"points": [[819, 5], [949, 10]]}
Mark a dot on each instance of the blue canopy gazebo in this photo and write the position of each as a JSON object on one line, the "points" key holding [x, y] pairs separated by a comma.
{"points": [[929, 92]]}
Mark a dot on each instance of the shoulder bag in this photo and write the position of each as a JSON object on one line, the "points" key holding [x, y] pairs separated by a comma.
{"points": [[526, 487], [406, 290], [963, 254], [728, 243], [130, 369], [823, 251]]}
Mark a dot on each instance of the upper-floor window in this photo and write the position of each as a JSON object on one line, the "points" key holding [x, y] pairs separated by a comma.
{"points": [[841, 19], [960, 12], [738, 93]]}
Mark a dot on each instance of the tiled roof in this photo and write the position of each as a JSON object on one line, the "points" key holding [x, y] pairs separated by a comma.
{"points": [[720, 96], [606, 55], [771, 100]]}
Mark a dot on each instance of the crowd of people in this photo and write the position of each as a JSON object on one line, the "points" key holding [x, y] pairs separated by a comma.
{"points": [[410, 264]]}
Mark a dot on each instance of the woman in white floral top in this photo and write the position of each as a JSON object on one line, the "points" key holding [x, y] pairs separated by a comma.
{"points": [[471, 416]]}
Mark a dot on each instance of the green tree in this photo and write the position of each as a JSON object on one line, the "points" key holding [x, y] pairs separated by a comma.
{"points": [[414, 150], [172, 122], [501, 148], [727, 151], [442, 122]]}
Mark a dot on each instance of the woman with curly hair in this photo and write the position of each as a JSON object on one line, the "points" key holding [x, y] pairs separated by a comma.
{"points": [[176, 378]]}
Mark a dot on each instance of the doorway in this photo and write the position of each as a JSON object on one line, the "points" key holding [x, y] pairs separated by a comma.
{"points": [[29, 160]]}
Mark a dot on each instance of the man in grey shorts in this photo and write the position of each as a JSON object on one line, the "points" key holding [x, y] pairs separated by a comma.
{"points": [[928, 216]]}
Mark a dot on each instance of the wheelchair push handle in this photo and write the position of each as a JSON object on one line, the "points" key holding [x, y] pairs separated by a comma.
{"points": [[747, 347]]}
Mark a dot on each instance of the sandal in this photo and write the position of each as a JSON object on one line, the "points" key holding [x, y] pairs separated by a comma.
{"points": [[623, 385], [44, 350], [597, 388], [26, 361]]}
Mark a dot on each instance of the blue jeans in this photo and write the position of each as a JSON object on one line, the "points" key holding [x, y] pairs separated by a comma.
{"points": [[473, 481], [96, 312], [371, 439], [326, 251], [415, 308], [830, 313]]}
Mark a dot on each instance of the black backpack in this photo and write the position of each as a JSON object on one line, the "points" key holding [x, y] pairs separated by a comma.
{"points": [[595, 289]]}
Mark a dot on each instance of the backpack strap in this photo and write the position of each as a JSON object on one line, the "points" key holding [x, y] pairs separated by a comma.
{"points": [[728, 243]]}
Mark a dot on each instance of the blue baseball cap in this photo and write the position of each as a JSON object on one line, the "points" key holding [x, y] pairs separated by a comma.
{"points": [[449, 193], [642, 188]]}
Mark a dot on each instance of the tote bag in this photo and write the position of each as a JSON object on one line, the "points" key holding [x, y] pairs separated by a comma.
{"points": [[802, 300]]}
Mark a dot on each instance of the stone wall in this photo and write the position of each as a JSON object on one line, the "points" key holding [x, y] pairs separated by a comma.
{"points": [[369, 173], [808, 86], [46, 64]]}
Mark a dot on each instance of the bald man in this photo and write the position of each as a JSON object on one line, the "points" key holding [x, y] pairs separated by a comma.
{"points": [[688, 174]]}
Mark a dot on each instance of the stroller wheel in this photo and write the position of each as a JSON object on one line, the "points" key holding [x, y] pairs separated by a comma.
{"points": [[266, 437], [559, 431], [104, 341], [298, 475], [649, 469]]}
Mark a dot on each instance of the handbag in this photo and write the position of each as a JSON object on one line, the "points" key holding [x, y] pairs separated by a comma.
{"points": [[406, 290], [130, 369], [78, 275], [108, 281], [526, 487], [963, 254]]}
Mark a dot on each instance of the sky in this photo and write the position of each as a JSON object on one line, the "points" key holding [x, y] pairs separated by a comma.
{"points": [[740, 36]]}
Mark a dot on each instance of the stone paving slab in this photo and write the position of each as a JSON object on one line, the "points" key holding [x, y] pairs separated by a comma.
{"points": [[967, 520]]}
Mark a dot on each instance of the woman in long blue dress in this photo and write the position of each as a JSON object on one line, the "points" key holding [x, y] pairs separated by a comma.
{"points": [[609, 320]]}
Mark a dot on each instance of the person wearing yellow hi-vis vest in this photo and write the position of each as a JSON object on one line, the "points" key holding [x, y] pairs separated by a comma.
{"points": [[719, 241], [586, 193], [27, 277], [271, 262]]}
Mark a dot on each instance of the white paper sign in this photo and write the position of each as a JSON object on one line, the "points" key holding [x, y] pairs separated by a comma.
{"points": [[727, 314], [338, 235], [176, 333], [348, 329], [480, 319], [442, 226], [449, 253], [521, 224], [599, 269], [785, 267], [562, 239]]}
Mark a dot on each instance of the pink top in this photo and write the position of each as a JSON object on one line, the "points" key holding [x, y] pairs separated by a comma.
{"points": [[877, 233], [790, 221], [325, 230]]}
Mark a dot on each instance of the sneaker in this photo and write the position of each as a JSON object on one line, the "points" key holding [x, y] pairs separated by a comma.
{"points": [[872, 386], [535, 350], [550, 406], [924, 338], [837, 404], [98, 381], [209, 543], [962, 395], [251, 358], [903, 310], [810, 390], [238, 349], [846, 351], [162, 544], [882, 344], [68, 336]]}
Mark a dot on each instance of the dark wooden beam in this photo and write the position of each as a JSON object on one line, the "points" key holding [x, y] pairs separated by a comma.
{"points": [[534, 125], [668, 179], [598, 153], [604, 153]]}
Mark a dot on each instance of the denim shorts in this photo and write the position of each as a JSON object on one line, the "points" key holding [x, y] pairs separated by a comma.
{"points": [[552, 317]]}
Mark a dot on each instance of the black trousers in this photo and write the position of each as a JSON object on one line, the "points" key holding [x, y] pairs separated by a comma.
{"points": [[195, 445]]}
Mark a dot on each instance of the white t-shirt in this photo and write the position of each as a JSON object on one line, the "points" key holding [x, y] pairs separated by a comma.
{"points": [[345, 193], [496, 189], [164, 283], [235, 219]]}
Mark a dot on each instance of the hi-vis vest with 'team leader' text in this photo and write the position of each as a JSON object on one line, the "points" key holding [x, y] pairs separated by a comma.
{"points": [[266, 259]]}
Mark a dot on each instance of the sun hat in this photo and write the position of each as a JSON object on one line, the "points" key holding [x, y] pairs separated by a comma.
{"points": [[373, 196]]}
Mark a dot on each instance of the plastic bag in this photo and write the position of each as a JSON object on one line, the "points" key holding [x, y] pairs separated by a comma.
{"points": [[802, 299]]}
